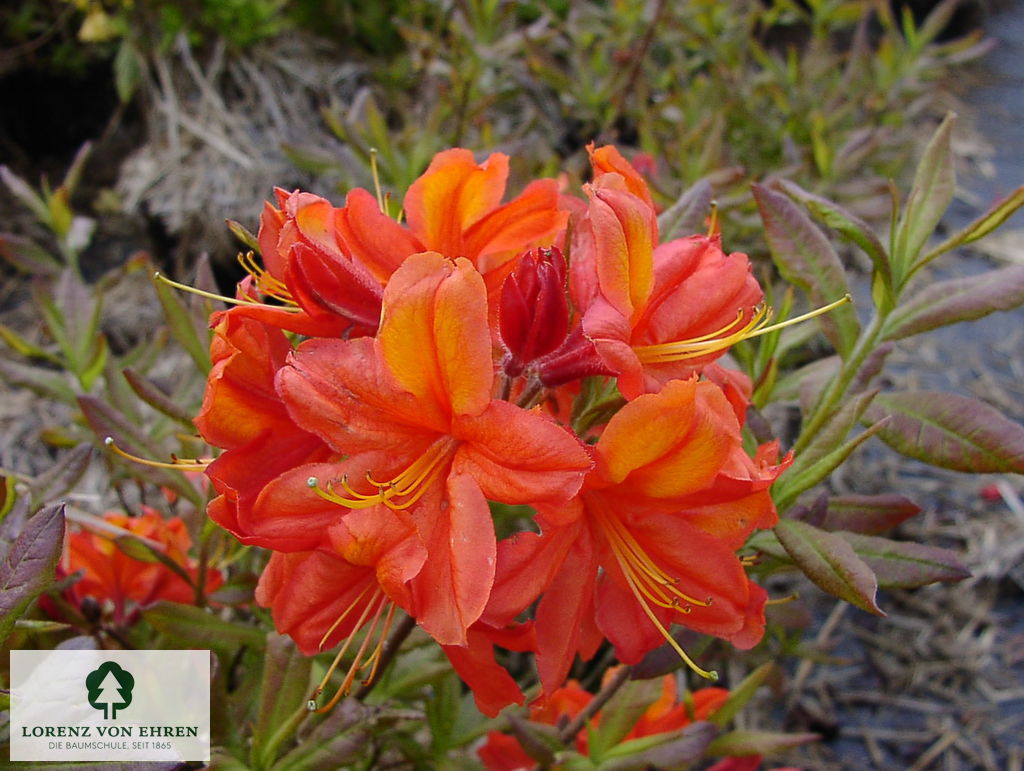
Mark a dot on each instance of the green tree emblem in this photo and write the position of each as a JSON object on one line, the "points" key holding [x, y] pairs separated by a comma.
{"points": [[110, 688]]}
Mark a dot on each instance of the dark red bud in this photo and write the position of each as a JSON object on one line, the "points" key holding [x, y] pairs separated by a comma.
{"points": [[533, 317]]}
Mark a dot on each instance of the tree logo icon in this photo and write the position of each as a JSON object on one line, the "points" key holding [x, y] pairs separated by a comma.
{"points": [[110, 688]]}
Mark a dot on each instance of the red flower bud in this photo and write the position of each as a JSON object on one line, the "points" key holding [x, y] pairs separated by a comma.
{"points": [[533, 317]]}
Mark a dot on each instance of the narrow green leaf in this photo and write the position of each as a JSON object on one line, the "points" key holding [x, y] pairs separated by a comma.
{"points": [[786, 491], [673, 749], [868, 514], [686, 216], [284, 690], [61, 477], [183, 326], [961, 299], [141, 550], [740, 743], [830, 562], [849, 225], [24, 347], [7, 495], [622, 712], [30, 564], [27, 256], [21, 190], [980, 227], [831, 435], [951, 431], [933, 188], [46, 383], [805, 258], [742, 693], [198, 628], [905, 564], [243, 234], [148, 391], [127, 71]]}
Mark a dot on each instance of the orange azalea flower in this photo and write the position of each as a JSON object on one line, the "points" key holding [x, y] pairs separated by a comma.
{"points": [[243, 414], [125, 584], [651, 538], [503, 752], [413, 409], [655, 312], [322, 597], [327, 266]]}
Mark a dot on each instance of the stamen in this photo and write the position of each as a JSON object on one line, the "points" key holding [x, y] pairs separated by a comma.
{"points": [[649, 583], [158, 276], [177, 464], [266, 283], [377, 603], [783, 600], [704, 345], [399, 493], [713, 228]]}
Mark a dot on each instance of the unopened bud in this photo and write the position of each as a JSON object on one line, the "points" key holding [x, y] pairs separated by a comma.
{"points": [[533, 317]]}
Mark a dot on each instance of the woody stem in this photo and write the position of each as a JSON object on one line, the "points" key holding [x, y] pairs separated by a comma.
{"points": [[609, 689]]}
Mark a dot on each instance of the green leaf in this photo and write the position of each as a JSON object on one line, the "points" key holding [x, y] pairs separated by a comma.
{"points": [[27, 256], [243, 234], [933, 188], [127, 70], [951, 431], [341, 738], [143, 551], [283, 694], [198, 628], [46, 383], [980, 227], [740, 743], [21, 190], [830, 562], [742, 693], [622, 712], [673, 749], [904, 564], [7, 495], [148, 391], [785, 492], [961, 299], [183, 326], [686, 216], [24, 347], [849, 225], [868, 514], [805, 258], [30, 564]]}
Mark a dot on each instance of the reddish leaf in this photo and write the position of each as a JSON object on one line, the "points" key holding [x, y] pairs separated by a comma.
{"points": [[868, 514], [757, 742], [830, 562], [951, 431], [687, 214], [904, 564], [805, 257], [960, 299], [30, 564], [850, 225]]}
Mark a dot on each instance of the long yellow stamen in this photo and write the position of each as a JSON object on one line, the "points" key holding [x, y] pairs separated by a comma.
{"points": [[158, 276], [649, 583], [723, 339], [381, 202], [267, 284], [177, 464], [376, 605], [399, 493]]}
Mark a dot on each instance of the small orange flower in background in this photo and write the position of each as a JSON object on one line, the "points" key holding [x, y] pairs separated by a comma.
{"points": [[122, 584]]}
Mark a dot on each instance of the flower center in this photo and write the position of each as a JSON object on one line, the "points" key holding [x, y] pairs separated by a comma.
{"points": [[402, 491], [726, 337], [648, 582], [265, 283]]}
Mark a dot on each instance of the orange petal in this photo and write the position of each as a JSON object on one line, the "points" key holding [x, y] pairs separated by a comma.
{"points": [[452, 194], [373, 238], [434, 334], [671, 443], [451, 590], [608, 159], [625, 232]]}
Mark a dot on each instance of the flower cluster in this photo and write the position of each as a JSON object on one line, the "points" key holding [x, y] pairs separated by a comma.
{"points": [[122, 585], [392, 394]]}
